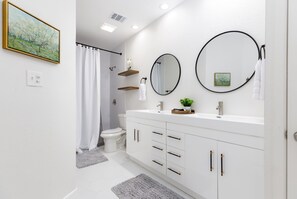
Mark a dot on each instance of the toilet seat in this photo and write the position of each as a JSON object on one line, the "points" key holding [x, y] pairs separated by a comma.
{"points": [[112, 131]]}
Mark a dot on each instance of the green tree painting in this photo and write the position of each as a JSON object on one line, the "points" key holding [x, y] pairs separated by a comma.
{"points": [[32, 36], [222, 79]]}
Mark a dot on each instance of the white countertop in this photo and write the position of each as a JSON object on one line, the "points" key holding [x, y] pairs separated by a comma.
{"points": [[251, 126]]}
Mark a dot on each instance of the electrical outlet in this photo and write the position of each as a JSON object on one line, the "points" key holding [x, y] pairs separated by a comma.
{"points": [[34, 79]]}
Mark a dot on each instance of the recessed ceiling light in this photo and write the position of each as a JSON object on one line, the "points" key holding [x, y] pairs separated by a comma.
{"points": [[108, 27], [135, 27], [164, 6]]}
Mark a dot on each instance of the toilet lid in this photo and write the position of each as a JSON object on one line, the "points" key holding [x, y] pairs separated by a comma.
{"points": [[111, 131]]}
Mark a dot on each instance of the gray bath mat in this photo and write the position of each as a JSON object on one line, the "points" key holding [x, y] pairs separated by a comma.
{"points": [[88, 158], [143, 187]]}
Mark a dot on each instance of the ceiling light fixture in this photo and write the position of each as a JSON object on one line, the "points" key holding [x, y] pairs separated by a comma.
{"points": [[164, 6], [135, 27], [108, 27]]}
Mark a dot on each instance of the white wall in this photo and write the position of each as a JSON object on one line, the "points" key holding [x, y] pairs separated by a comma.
{"points": [[116, 82], [183, 32], [105, 89], [37, 125]]}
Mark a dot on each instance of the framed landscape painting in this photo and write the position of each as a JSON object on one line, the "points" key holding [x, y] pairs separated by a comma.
{"points": [[26, 34], [222, 79]]}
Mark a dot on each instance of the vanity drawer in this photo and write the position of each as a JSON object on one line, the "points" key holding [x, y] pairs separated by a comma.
{"points": [[159, 165], [175, 156], [158, 135], [175, 172], [158, 150], [176, 140]]}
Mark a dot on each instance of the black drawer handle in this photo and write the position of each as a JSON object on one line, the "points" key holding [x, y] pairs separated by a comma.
{"points": [[174, 137], [222, 165], [157, 148], [157, 133], [154, 161], [137, 135], [211, 160], [179, 156], [178, 173]]}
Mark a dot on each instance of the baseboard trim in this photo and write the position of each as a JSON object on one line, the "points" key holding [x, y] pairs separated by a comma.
{"points": [[69, 194]]}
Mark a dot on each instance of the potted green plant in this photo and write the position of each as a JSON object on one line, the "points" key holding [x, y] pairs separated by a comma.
{"points": [[187, 103]]}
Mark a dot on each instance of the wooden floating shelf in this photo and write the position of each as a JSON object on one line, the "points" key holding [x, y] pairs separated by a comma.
{"points": [[128, 73], [128, 88]]}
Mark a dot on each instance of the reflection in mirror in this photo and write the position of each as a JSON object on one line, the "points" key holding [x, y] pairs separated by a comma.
{"points": [[227, 62], [165, 74]]}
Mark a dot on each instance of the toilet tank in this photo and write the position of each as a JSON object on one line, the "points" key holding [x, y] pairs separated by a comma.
{"points": [[122, 119]]}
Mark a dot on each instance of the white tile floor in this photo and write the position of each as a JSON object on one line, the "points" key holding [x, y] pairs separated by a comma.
{"points": [[95, 182]]}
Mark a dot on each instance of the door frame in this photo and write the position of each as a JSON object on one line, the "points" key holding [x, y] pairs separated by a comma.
{"points": [[291, 107], [276, 99]]}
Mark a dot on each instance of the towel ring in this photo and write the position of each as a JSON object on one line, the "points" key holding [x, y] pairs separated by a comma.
{"points": [[143, 80], [264, 52]]}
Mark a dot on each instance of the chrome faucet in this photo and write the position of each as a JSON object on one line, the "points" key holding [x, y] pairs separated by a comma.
{"points": [[160, 105], [220, 108]]}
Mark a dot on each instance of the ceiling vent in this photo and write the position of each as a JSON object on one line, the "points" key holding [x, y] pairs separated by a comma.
{"points": [[118, 17]]}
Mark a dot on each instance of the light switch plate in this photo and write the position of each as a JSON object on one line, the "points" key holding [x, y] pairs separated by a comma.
{"points": [[34, 79]]}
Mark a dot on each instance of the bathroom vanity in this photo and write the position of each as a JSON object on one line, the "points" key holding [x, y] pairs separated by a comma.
{"points": [[206, 156]]}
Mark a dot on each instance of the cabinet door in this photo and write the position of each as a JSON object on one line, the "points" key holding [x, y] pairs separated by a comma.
{"points": [[144, 139], [139, 142], [132, 138], [201, 166], [241, 172]]}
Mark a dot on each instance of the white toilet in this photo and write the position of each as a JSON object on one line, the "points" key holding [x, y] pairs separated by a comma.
{"points": [[115, 139]]}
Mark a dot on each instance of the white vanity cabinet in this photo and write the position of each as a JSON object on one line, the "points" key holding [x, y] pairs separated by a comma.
{"points": [[201, 166], [241, 172], [221, 170], [138, 140], [146, 142], [210, 158]]}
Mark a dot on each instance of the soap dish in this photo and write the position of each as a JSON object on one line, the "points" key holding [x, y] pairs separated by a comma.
{"points": [[181, 111]]}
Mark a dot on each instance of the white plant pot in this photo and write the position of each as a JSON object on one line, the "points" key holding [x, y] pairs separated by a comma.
{"points": [[187, 108]]}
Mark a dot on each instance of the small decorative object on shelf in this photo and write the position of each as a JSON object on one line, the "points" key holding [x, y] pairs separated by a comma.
{"points": [[182, 111], [129, 64], [187, 103]]}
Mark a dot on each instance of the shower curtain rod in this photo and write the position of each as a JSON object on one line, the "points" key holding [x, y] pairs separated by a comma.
{"points": [[99, 48]]}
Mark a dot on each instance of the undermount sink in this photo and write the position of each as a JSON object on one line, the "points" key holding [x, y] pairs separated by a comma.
{"points": [[154, 111], [233, 118]]}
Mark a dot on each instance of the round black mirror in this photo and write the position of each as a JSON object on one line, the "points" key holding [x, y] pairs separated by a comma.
{"points": [[227, 61], [165, 74]]}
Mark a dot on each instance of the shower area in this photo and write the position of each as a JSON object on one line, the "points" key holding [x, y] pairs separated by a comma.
{"points": [[98, 100], [93, 96]]}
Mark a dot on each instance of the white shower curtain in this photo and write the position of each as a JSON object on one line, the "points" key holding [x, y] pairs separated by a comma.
{"points": [[88, 97]]}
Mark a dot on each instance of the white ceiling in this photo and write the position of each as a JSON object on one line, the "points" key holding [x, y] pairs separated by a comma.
{"points": [[91, 14]]}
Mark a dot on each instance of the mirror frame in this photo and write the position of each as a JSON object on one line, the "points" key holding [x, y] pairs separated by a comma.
{"points": [[179, 67], [227, 32]]}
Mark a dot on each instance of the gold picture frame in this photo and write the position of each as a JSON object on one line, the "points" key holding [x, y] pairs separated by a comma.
{"points": [[26, 34]]}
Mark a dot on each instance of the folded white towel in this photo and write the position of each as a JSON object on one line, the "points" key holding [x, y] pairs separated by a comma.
{"points": [[257, 80], [142, 92], [262, 90]]}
